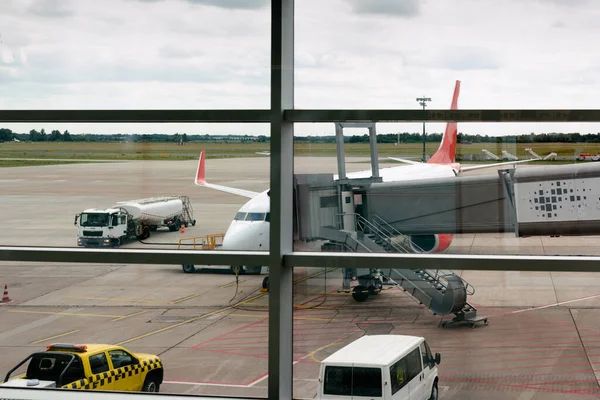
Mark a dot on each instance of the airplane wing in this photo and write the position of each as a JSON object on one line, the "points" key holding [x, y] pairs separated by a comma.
{"points": [[404, 160], [201, 181], [474, 167]]}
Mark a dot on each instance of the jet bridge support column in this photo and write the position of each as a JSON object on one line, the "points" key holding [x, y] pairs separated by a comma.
{"points": [[339, 136], [341, 160]]}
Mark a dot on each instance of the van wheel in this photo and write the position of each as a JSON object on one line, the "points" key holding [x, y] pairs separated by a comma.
{"points": [[434, 392]]}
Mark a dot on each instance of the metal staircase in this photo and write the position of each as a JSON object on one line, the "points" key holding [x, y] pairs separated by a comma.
{"points": [[188, 212], [442, 291]]}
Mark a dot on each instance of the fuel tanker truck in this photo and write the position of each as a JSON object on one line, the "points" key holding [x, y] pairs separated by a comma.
{"points": [[132, 219]]}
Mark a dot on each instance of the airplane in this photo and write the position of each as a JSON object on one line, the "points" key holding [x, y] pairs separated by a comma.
{"points": [[249, 230]]}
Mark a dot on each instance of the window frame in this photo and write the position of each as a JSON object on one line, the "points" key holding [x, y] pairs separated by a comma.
{"points": [[281, 259]]}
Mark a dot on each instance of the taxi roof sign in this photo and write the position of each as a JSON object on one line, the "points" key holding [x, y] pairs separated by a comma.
{"points": [[67, 346]]}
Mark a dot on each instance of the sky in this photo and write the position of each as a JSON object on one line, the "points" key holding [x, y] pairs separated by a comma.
{"points": [[197, 54]]}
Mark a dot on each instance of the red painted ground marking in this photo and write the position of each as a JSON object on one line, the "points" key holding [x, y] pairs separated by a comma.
{"points": [[549, 350], [449, 375], [534, 388], [546, 306], [228, 333]]}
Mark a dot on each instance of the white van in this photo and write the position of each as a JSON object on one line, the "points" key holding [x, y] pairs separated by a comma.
{"points": [[381, 367]]}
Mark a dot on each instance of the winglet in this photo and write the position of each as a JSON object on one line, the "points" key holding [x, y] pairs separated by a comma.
{"points": [[200, 172], [446, 154]]}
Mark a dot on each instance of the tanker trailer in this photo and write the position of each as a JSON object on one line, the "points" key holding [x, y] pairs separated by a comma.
{"points": [[132, 219]]}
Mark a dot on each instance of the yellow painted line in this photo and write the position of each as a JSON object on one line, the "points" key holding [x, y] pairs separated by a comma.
{"points": [[230, 284], [314, 275], [184, 299], [186, 321], [54, 337], [116, 299], [130, 315], [295, 318], [64, 313], [324, 293], [312, 353]]}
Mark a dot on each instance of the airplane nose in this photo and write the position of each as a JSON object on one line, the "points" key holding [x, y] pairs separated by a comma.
{"points": [[243, 236]]}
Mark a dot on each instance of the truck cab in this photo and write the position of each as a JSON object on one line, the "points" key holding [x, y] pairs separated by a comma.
{"points": [[102, 228], [381, 367]]}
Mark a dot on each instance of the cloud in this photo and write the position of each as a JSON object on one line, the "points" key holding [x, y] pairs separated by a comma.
{"points": [[231, 4], [566, 3], [402, 8], [51, 8], [468, 58], [238, 4]]}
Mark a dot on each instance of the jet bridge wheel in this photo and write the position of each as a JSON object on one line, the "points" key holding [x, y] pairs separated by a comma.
{"points": [[360, 294]]}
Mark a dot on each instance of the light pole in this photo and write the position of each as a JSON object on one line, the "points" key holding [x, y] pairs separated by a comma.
{"points": [[423, 101]]}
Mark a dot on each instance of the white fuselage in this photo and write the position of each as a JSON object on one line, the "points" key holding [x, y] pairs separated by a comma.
{"points": [[247, 232]]}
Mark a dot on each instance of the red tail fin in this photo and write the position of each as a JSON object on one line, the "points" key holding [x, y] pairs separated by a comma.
{"points": [[200, 171], [446, 154]]}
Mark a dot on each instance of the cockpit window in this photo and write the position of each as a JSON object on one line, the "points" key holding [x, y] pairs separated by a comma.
{"points": [[255, 217], [240, 216]]}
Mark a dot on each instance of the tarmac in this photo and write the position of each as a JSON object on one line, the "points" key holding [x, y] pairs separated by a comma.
{"points": [[542, 341]]}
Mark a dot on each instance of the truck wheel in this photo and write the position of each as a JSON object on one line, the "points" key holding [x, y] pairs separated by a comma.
{"points": [[189, 268], [151, 384]]}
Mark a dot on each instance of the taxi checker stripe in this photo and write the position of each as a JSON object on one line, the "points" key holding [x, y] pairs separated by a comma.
{"points": [[107, 377]]}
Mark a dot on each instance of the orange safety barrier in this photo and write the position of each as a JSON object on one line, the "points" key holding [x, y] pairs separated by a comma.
{"points": [[208, 242]]}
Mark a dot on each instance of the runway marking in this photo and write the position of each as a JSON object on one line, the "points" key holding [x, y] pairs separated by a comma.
{"points": [[230, 284], [54, 337], [164, 303], [184, 299], [187, 321], [64, 313], [130, 315], [311, 355], [295, 318], [546, 306], [114, 299]]}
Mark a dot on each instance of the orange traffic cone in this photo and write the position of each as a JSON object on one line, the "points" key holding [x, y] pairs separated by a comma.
{"points": [[5, 298], [182, 227]]}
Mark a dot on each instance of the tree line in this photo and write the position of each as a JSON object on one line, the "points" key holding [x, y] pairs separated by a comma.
{"points": [[7, 135]]}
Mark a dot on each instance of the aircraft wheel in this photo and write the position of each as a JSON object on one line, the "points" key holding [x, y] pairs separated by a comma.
{"points": [[360, 294], [189, 268]]}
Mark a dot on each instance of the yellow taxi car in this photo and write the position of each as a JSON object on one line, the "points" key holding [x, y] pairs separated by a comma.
{"points": [[91, 366]]}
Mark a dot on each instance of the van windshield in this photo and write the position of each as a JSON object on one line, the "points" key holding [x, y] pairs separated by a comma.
{"points": [[353, 381]]}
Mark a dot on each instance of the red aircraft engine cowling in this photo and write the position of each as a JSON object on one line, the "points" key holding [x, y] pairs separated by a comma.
{"points": [[430, 243]]}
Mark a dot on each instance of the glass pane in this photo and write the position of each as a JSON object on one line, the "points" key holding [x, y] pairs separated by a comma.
{"points": [[207, 330], [182, 54], [100, 186], [548, 315], [410, 49]]}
